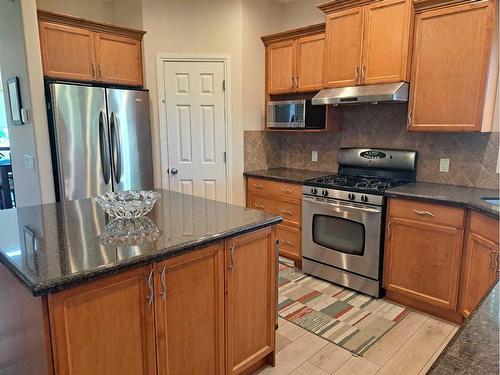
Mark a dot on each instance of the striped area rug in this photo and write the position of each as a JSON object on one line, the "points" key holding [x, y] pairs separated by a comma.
{"points": [[349, 319]]}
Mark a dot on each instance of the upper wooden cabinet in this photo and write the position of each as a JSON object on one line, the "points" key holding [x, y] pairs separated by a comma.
{"points": [[367, 44], [83, 50], [294, 60], [451, 55]]}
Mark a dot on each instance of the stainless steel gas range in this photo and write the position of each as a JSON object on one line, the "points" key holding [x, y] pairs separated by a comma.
{"points": [[343, 216]]}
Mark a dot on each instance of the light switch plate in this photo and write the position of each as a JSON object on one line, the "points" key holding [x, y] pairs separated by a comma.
{"points": [[314, 156], [444, 165], [29, 161]]}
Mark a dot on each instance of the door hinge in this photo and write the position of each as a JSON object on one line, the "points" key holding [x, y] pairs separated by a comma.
{"points": [[225, 157], [223, 85]]}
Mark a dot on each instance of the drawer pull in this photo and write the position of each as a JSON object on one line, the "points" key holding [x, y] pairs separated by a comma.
{"points": [[423, 213], [258, 186], [287, 242], [287, 212], [259, 206], [285, 190], [490, 266]]}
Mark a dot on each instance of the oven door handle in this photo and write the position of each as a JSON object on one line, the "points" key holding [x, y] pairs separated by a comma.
{"points": [[362, 209]]}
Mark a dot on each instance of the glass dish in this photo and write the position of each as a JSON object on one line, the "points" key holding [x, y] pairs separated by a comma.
{"points": [[130, 232], [128, 204]]}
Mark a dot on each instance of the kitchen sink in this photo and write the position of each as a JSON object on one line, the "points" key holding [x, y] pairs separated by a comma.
{"points": [[495, 201]]}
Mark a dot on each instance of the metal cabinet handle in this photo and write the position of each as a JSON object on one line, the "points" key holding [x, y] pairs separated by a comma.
{"points": [[99, 71], [490, 265], [231, 254], [296, 82], [285, 190], [287, 242], [259, 206], [388, 229], [423, 213], [150, 286], [287, 212], [363, 73], [163, 292], [356, 74], [498, 263], [93, 70], [293, 82], [258, 186], [409, 119]]}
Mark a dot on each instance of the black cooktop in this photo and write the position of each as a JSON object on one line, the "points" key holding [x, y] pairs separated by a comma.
{"points": [[356, 183]]}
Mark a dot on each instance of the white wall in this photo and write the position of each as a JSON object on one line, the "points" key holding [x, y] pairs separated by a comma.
{"points": [[13, 63], [300, 13], [97, 10]]}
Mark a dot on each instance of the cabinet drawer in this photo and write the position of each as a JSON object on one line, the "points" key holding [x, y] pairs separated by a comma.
{"points": [[259, 203], [484, 226], [290, 241], [427, 212], [281, 189], [291, 213]]}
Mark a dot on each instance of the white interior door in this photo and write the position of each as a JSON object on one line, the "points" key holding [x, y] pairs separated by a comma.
{"points": [[196, 127]]}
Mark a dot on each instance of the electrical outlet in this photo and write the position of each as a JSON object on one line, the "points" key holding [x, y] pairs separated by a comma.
{"points": [[444, 165], [29, 161], [314, 156]]}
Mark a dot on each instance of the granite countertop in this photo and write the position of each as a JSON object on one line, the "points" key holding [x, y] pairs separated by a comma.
{"points": [[474, 349], [468, 197], [294, 176], [69, 252]]}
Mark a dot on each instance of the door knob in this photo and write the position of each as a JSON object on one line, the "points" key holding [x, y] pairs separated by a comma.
{"points": [[174, 171]]}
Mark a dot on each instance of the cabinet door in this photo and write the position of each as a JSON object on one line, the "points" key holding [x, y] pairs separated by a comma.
{"points": [[190, 313], [280, 67], [422, 261], [449, 67], [386, 36], [290, 242], [119, 59], [309, 59], [67, 52], [343, 48], [105, 327], [251, 299], [480, 271]]}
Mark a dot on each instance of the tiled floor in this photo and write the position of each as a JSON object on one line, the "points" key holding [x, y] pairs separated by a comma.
{"points": [[409, 348]]}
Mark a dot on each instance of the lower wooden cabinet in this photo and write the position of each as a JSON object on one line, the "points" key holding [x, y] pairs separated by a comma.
{"points": [[251, 300], [189, 304], [429, 266], [210, 311], [105, 327]]}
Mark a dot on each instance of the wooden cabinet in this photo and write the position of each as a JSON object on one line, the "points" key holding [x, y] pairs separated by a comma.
{"points": [[282, 199], [67, 52], [105, 327], [481, 261], [190, 313], [84, 50], [423, 253], [367, 44], [251, 299], [294, 60], [450, 66], [343, 42]]}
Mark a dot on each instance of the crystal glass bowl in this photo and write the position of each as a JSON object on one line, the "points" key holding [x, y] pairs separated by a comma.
{"points": [[125, 232], [128, 204]]}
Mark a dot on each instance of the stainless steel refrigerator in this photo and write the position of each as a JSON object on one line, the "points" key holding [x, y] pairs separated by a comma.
{"points": [[101, 140]]}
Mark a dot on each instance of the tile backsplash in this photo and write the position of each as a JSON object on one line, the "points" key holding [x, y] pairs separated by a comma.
{"points": [[473, 156]]}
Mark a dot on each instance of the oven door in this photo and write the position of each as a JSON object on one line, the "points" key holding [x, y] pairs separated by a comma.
{"points": [[342, 234]]}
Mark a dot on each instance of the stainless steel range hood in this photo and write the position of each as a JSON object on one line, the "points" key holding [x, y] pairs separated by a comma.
{"points": [[387, 92]]}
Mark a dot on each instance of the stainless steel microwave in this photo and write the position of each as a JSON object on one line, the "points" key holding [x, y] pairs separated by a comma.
{"points": [[299, 114]]}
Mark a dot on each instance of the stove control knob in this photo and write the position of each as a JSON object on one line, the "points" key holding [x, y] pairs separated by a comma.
{"points": [[314, 191], [351, 196], [324, 193], [364, 198]]}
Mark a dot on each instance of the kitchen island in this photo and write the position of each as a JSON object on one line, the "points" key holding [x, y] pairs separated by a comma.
{"points": [[195, 293]]}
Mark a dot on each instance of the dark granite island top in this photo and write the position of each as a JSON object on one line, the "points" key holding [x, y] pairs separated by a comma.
{"points": [[474, 349], [54, 246], [291, 175], [467, 197]]}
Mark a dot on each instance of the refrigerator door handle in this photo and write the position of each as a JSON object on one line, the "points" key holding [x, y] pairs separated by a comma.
{"points": [[103, 149], [116, 148]]}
